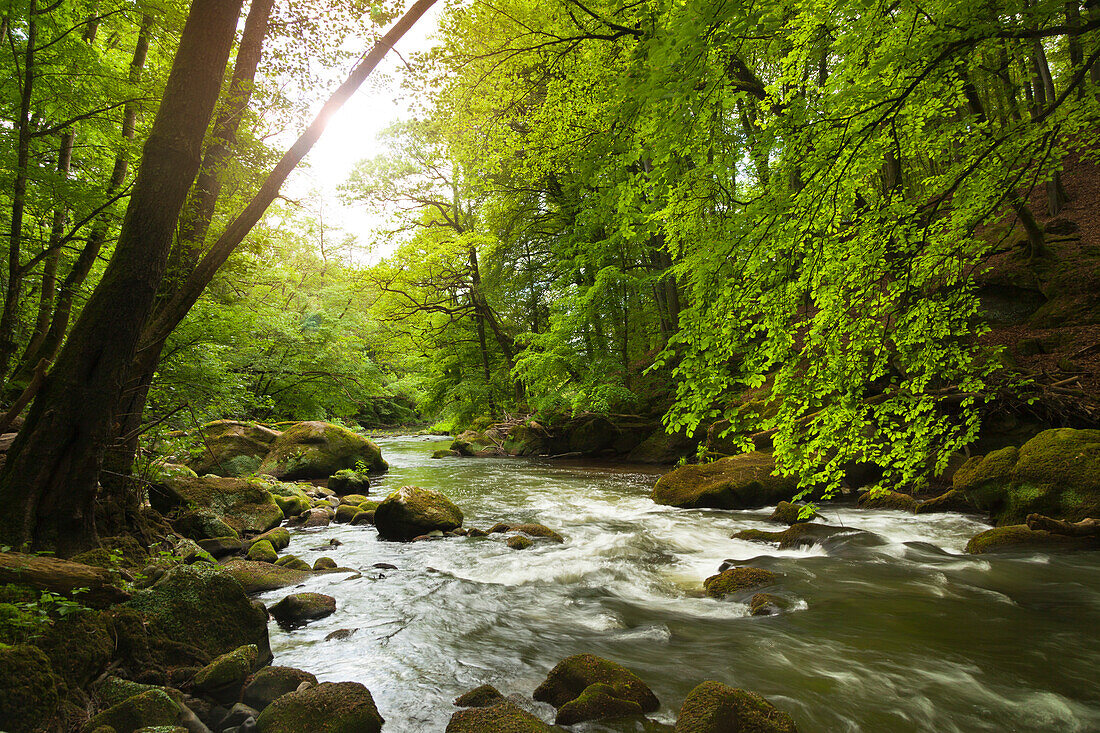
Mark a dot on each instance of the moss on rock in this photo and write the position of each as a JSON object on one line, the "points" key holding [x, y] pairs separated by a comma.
{"points": [[316, 449], [412, 511], [519, 542], [949, 501], [271, 683], [596, 702], [569, 678], [802, 534], [536, 530], [345, 513], [243, 504], [278, 537], [479, 697], [503, 717], [712, 707], [766, 604], [153, 707], [299, 607], [257, 577], [737, 579], [228, 669], [1020, 538], [262, 551], [788, 513], [878, 499], [79, 646], [363, 517], [349, 481], [114, 690], [330, 707], [28, 688], [746, 481]]}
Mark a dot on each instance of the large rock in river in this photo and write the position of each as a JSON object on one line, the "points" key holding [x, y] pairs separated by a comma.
{"points": [[412, 511], [574, 674], [231, 448], [1021, 538], [746, 481], [310, 450], [330, 707], [712, 707], [245, 505], [257, 577], [1056, 473], [503, 717]]}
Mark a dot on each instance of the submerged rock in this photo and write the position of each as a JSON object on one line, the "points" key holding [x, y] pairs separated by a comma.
{"points": [[412, 511], [737, 579], [330, 707], [746, 481], [503, 717], [596, 702], [519, 542], [536, 530], [766, 604], [802, 534], [299, 607], [318, 450], [569, 678], [1056, 473], [712, 707], [1021, 538]]}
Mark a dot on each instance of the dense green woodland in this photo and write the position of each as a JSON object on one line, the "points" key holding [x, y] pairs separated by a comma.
{"points": [[768, 217]]}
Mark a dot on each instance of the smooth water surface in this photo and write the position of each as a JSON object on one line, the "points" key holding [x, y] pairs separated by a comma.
{"points": [[896, 630]]}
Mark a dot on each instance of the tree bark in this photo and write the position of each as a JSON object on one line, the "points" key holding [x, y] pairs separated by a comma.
{"points": [[63, 577], [48, 484]]}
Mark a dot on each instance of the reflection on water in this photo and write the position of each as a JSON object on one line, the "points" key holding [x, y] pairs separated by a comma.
{"points": [[894, 631]]}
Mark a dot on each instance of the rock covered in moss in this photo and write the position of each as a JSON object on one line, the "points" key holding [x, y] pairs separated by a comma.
{"points": [[412, 511], [712, 707], [1056, 473], [279, 538], [222, 546], [114, 690], [596, 702], [271, 683], [243, 504], [479, 697], [202, 524], [746, 481], [262, 551], [362, 517], [569, 678], [205, 607], [802, 534], [28, 688], [299, 607], [346, 512], [519, 542], [325, 563], [1021, 538], [292, 562], [949, 501], [228, 669], [79, 646], [309, 450], [737, 579], [788, 513], [887, 500], [536, 530], [231, 448], [330, 707], [150, 708], [349, 481], [503, 717], [257, 577], [661, 447], [766, 604]]}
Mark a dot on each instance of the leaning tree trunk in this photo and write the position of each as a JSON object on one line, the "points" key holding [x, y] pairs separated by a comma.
{"points": [[48, 484]]}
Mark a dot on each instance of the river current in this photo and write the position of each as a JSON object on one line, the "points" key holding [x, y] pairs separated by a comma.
{"points": [[896, 630]]}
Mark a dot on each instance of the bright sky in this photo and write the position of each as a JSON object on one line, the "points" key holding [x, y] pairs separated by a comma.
{"points": [[352, 135]]}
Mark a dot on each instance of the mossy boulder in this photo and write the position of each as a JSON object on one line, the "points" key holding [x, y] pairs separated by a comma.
{"points": [[949, 501], [479, 697], [262, 551], [257, 577], [1056, 473], [788, 513], [278, 537], [1021, 538], [205, 607], [887, 500], [302, 607], [503, 717], [712, 707], [572, 675], [412, 511], [526, 440], [325, 563], [79, 646], [292, 506], [114, 690], [349, 481], [470, 442], [737, 579], [363, 517], [519, 542], [801, 534], [153, 707], [293, 562], [222, 546], [355, 499], [228, 669], [596, 702], [231, 448], [345, 513], [161, 470], [28, 688], [536, 530], [271, 683], [244, 504], [330, 707], [746, 481], [766, 604], [660, 447], [309, 450]]}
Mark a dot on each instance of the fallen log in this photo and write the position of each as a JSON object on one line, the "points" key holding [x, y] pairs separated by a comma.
{"points": [[1085, 528], [63, 577]]}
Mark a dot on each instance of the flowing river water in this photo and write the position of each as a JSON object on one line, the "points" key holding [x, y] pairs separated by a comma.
{"points": [[896, 630]]}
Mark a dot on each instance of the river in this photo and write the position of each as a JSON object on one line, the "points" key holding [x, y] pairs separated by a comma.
{"points": [[892, 631]]}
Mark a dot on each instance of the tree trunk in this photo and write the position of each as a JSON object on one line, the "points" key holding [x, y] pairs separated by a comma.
{"points": [[48, 484]]}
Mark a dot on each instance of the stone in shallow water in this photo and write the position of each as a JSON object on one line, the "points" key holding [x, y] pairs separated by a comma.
{"points": [[737, 579], [716, 708], [330, 707], [503, 717], [479, 697], [596, 702], [299, 607], [271, 683], [569, 678]]}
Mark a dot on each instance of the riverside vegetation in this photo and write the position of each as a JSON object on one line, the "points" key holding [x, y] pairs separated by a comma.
{"points": [[803, 256]]}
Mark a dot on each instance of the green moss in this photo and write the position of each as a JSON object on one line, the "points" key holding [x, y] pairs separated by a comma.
{"points": [[79, 646], [325, 563], [569, 678], [479, 697], [737, 579], [363, 517], [153, 707], [766, 604], [271, 683], [881, 499], [745, 481], [228, 669], [318, 450], [330, 707], [278, 537], [345, 513], [369, 506], [262, 551], [243, 504], [303, 607], [412, 511], [537, 530], [257, 577], [349, 481], [950, 501], [114, 690], [28, 688], [596, 702], [503, 717], [519, 542], [712, 707], [1020, 538], [788, 513]]}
